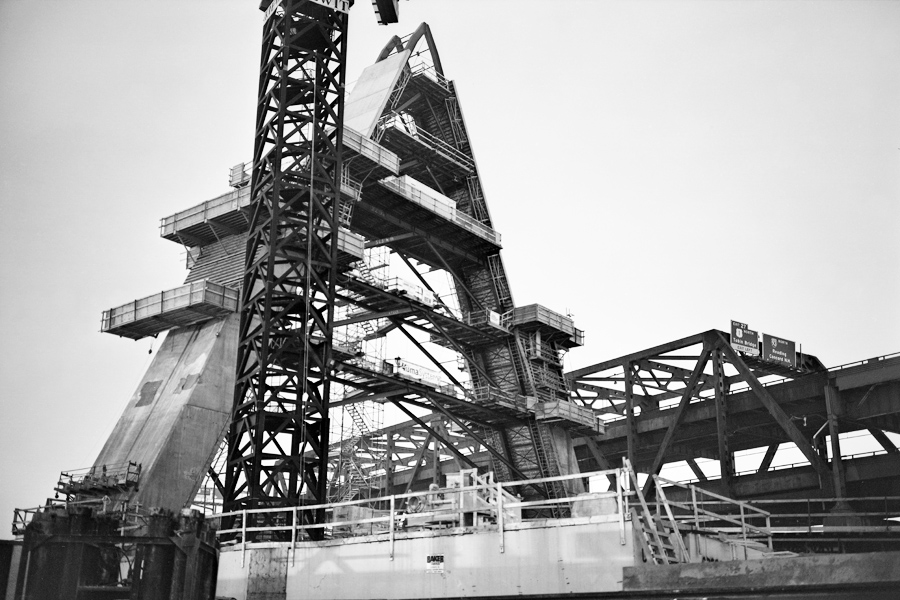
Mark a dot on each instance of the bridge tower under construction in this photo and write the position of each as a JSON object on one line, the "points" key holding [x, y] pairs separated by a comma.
{"points": [[349, 392]]}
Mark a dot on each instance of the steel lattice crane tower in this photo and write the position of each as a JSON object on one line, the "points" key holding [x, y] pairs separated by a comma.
{"points": [[278, 438]]}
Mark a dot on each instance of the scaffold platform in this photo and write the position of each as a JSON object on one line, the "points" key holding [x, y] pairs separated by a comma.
{"points": [[225, 215], [179, 307], [551, 324]]}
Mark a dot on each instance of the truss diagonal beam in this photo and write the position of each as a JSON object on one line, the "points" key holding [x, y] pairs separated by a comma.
{"points": [[687, 395], [777, 412]]}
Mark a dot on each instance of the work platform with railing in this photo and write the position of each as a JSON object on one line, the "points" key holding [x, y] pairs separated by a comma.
{"points": [[476, 534], [179, 307]]}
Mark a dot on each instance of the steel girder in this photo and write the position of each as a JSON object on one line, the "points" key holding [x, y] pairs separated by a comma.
{"points": [[698, 398]]}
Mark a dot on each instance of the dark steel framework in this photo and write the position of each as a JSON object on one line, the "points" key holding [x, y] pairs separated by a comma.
{"points": [[699, 398], [295, 274], [278, 438]]}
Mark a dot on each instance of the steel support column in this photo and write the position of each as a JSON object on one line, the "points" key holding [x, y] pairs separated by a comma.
{"points": [[834, 408], [726, 459], [630, 417]]}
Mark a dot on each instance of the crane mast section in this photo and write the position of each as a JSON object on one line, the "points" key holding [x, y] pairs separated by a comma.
{"points": [[278, 437]]}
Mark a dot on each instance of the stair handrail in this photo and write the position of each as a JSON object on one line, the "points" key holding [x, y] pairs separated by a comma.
{"points": [[644, 515], [697, 509], [661, 495]]}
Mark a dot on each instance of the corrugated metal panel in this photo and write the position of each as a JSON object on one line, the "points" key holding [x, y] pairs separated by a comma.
{"points": [[221, 262]]}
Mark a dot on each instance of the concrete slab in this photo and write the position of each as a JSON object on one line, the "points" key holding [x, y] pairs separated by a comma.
{"points": [[366, 102], [877, 570]]}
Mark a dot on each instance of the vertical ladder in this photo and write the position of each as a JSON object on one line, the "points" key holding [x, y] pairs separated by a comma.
{"points": [[405, 76], [500, 283], [522, 368], [548, 462], [479, 207], [345, 212], [456, 124]]}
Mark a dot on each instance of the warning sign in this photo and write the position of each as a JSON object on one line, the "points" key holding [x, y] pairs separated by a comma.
{"points": [[744, 339], [434, 563]]}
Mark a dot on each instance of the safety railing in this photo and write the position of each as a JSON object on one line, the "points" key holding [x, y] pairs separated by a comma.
{"points": [[484, 318], [541, 351], [190, 294], [239, 175], [535, 313], [407, 126], [102, 477], [22, 517], [349, 186], [823, 516], [495, 397], [868, 361], [495, 507], [431, 73], [238, 199], [402, 369], [201, 213], [369, 148], [440, 207], [697, 513]]}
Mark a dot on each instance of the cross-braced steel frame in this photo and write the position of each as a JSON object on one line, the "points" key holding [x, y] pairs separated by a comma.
{"points": [[278, 438], [662, 385]]}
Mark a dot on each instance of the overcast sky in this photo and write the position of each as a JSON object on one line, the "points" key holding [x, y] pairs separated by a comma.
{"points": [[655, 168]]}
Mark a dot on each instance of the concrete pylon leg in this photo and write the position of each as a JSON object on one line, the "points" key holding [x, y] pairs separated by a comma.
{"points": [[176, 418]]}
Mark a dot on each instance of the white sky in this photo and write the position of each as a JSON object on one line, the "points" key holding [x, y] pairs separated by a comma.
{"points": [[656, 168]]}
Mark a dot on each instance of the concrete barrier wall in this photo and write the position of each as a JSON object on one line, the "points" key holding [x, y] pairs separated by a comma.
{"points": [[853, 575], [582, 558]]}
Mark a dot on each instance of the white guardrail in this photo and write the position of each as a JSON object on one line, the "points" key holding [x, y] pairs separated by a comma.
{"points": [[495, 499], [440, 207], [189, 294]]}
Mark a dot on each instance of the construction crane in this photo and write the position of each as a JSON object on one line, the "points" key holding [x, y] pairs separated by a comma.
{"points": [[278, 437]]}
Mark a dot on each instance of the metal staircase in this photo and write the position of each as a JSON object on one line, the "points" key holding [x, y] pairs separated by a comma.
{"points": [[504, 296], [658, 533], [456, 124], [678, 532], [545, 451]]}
